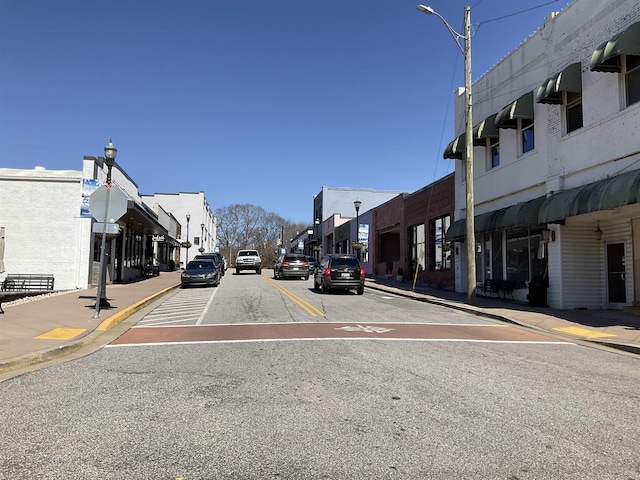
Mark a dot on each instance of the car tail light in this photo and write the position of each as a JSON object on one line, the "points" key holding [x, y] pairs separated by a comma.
{"points": [[362, 274], [284, 264], [305, 263], [327, 273]]}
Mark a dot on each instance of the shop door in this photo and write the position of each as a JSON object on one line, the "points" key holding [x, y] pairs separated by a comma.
{"points": [[616, 280]]}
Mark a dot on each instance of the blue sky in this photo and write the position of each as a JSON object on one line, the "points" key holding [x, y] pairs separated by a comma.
{"points": [[259, 102]]}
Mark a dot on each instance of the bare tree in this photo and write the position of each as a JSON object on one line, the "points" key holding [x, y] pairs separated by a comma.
{"points": [[250, 226]]}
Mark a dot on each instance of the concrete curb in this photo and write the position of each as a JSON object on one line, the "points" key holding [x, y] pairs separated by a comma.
{"points": [[632, 349], [113, 320]]}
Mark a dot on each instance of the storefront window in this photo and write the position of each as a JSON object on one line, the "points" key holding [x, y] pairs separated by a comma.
{"points": [[440, 248], [526, 255], [418, 247]]}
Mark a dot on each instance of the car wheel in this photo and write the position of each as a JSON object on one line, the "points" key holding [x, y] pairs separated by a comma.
{"points": [[316, 285], [324, 288], [237, 271], [306, 277], [360, 290], [259, 271]]}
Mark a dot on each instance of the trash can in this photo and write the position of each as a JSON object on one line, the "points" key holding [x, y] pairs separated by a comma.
{"points": [[538, 292]]}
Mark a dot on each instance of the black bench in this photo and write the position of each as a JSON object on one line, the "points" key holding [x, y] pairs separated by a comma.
{"points": [[504, 287], [16, 286], [27, 283], [151, 270]]}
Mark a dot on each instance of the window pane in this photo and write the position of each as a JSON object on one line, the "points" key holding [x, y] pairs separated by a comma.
{"points": [[528, 137], [574, 111], [494, 145], [632, 79]]}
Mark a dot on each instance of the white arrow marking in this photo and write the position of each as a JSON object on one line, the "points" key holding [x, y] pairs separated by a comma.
{"points": [[367, 328]]}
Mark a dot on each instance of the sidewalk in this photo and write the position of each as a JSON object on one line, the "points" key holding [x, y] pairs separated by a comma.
{"points": [[54, 326], [611, 328], [51, 327]]}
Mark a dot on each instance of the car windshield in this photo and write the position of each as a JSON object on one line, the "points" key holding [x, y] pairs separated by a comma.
{"points": [[248, 253], [200, 264]]}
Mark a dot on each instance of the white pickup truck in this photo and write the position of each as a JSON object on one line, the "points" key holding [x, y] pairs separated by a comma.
{"points": [[248, 260]]}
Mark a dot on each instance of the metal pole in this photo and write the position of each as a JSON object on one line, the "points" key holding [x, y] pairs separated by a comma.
{"points": [[102, 277], [471, 239]]}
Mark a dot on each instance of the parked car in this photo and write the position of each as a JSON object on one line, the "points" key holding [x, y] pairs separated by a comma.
{"points": [[313, 263], [216, 257], [201, 272], [339, 271], [293, 265]]}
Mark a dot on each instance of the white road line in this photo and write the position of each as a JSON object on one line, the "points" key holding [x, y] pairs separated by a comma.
{"points": [[431, 340], [206, 308]]}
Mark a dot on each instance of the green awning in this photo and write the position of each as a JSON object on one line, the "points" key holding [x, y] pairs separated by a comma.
{"points": [[568, 80], [521, 108], [455, 149], [485, 129], [519, 215], [618, 191], [606, 57]]}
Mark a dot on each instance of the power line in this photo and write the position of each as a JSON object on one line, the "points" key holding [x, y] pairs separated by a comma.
{"points": [[511, 14]]}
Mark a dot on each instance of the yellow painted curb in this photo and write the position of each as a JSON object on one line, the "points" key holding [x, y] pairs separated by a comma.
{"points": [[113, 320], [583, 332], [61, 334]]}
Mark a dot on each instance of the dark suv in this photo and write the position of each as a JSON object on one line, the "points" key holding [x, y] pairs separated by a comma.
{"points": [[291, 265], [339, 271]]}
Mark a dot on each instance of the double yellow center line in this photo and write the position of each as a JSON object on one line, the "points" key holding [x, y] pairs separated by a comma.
{"points": [[306, 306]]}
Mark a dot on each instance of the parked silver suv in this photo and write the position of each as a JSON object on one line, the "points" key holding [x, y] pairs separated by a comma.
{"points": [[248, 260]]}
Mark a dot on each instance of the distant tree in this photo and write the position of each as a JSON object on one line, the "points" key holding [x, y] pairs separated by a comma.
{"points": [[242, 226]]}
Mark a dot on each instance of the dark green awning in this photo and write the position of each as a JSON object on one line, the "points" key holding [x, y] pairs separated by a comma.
{"points": [[568, 80], [485, 129], [521, 108], [519, 215], [455, 149], [618, 191], [606, 56]]}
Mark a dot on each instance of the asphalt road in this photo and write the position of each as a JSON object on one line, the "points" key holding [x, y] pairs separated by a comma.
{"points": [[264, 379]]}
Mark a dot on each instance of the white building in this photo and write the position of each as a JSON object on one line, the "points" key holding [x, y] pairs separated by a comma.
{"points": [[48, 227], [198, 223], [557, 160]]}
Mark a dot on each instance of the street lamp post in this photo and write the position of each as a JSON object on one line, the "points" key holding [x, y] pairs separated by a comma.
{"points": [[357, 203], [110, 153], [186, 260], [468, 150], [201, 249]]}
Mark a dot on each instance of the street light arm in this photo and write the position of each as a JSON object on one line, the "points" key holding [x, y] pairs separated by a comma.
{"points": [[456, 36]]}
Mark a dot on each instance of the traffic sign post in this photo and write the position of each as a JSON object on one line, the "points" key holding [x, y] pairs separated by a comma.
{"points": [[107, 205]]}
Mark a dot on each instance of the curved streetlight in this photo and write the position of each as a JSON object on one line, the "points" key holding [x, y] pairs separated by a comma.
{"points": [[110, 153], [201, 249], [186, 260], [357, 204], [468, 150]]}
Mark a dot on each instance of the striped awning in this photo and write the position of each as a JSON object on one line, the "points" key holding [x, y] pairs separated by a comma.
{"points": [[519, 215], [568, 80], [606, 58], [485, 129], [521, 108], [607, 194], [455, 149]]}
